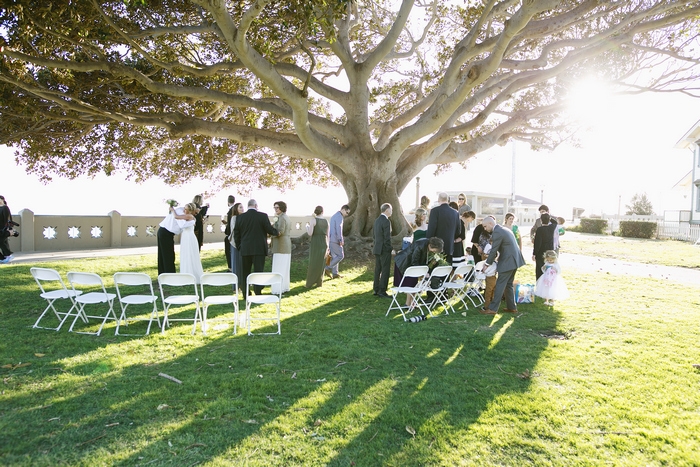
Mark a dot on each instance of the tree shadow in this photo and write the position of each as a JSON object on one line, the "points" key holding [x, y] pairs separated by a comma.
{"points": [[342, 384]]}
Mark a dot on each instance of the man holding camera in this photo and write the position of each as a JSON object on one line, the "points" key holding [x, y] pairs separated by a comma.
{"points": [[6, 231]]}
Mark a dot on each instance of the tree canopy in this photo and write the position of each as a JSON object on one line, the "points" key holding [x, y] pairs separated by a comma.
{"points": [[640, 205], [270, 93]]}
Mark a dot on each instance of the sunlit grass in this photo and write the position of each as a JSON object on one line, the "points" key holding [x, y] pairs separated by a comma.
{"points": [[604, 378]]}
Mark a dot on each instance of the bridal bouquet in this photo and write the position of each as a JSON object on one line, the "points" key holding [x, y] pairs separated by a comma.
{"points": [[437, 259], [171, 202]]}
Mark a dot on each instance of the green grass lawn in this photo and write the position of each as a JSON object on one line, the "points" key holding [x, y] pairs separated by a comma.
{"points": [[605, 378]]}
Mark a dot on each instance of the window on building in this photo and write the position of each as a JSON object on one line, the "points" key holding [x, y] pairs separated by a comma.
{"points": [[697, 198]]}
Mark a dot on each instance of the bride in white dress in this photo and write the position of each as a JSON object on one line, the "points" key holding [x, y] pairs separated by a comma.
{"points": [[190, 261]]}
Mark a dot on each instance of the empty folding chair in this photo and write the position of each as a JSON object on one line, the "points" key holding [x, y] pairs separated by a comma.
{"points": [[53, 289], [221, 279], [135, 288], [459, 285], [181, 282], [412, 273], [264, 279], [435, 286], [97, 297]]}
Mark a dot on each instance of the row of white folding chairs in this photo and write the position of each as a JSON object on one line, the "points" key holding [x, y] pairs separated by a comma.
{"points": [[79, 300], [443, 284]]}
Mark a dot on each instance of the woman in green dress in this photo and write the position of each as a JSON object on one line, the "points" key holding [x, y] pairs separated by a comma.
{"points": [[318, 229]]}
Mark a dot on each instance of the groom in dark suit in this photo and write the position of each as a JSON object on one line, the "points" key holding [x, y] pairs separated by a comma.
{"points": [[445, 224], [250, 234], [382, 250], [509, 260]]}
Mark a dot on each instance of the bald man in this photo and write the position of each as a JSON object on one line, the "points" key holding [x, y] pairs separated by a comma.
{"points": [[510, 259]]}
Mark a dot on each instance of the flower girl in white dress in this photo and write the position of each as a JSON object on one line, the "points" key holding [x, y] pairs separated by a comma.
{"points": [[551, 285], [190, 261]]}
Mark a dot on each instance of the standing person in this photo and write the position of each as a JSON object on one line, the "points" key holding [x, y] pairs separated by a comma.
{"points": [[282, 245], [425, 204], [444, 223], [538, 223], [227, 231], [560, 231], [6, 231], [458, 257], [165, 236], [236, 264], [509, 223], [462, 204], [420, 225], [551, 285], [250, 234], [509, 260], [382, 250], [318, 229], [336, 241], [190, 262], [200, 217], [544, 240], [467, 218]]}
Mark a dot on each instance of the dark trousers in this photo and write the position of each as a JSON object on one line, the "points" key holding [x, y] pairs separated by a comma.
{"points": [[382, 264], [504, 285], [257, 263], [166, 251], [5, 245], [227, 250], [539, 262]]}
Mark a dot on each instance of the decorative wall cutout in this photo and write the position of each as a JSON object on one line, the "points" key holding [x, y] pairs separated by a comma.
{"points": [[50, 233], [96, 231], [150, 231], [74, 232], [132, 231]]}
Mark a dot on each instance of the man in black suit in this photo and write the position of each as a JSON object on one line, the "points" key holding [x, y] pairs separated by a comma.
{"points": [[444, 223], [227, 231], [382, 251], [250, 234]]}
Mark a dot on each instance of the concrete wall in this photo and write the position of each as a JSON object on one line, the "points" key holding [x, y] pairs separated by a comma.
{"points": [[60, 233]]}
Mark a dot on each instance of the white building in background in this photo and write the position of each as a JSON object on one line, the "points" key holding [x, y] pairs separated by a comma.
{"points": [[691, 140], [497, 205]]}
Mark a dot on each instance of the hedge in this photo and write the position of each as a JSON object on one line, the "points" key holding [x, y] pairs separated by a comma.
{"points": [[594, 226], [637, 229]]}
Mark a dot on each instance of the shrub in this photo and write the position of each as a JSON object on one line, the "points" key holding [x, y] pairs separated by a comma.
{"points": [[637, 229], [595, 226]]}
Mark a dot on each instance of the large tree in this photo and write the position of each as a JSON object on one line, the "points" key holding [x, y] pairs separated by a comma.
{"points": [[366, 92]]}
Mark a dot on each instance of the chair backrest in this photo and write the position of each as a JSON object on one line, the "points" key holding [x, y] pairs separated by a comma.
{"points": [[176, 278], [46, 275], [218, 278], [264, 278], [461, 273], [416, 271], [132, 278], [85, 278], [441, 271]]}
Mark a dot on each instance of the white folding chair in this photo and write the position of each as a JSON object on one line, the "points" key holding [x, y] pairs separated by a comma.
{"points": [[220, 279], [413, 272], [52, 289], [264, 279], [90, 279], [460, 283], [178, 281], [136, 289], [435, 285]]}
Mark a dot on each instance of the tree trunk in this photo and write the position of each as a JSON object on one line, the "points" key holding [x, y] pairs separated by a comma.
{"points": [[367, 190]]}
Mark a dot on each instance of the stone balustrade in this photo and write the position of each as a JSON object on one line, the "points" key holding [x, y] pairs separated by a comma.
{"points": [[61, 233]]}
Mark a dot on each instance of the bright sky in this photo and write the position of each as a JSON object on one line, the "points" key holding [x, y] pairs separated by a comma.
{"points": [[629, 150]]}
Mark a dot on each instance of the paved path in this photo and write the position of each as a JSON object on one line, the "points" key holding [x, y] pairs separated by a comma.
{"points": [[568, 261]]}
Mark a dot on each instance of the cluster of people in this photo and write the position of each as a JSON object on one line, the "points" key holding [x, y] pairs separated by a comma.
{"points": [[7, 230], [438, 238], [495, 249]]}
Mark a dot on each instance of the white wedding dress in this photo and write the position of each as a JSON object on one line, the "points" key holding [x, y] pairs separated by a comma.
{"points": [[189, 252]]}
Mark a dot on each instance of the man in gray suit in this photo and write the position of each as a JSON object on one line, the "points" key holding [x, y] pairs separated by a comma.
{"points": [[509, 260]]}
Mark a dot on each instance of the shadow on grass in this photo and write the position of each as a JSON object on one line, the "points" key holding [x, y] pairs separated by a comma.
{"points": [[342, 384]]}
